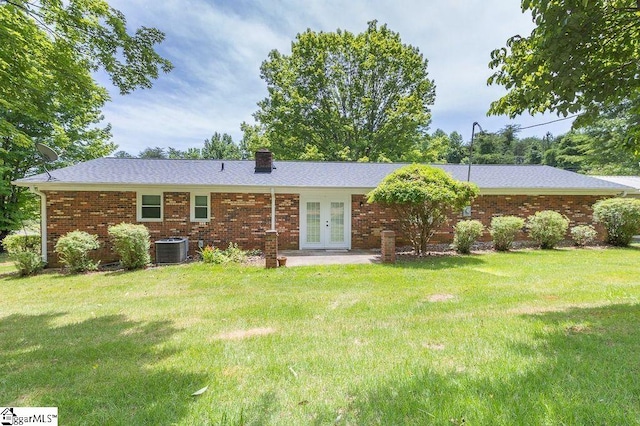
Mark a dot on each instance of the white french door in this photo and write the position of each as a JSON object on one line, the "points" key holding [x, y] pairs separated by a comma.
{"points": [[325, 222]]}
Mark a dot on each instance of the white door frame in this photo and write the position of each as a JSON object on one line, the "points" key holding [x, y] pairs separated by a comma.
{"points": [[325, 198]]}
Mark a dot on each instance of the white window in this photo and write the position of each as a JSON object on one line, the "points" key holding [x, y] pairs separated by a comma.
{"points": [[149, 207], [200, 208]]}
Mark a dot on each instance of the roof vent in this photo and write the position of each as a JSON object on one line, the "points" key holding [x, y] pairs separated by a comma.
{"points": [[264, 161]]}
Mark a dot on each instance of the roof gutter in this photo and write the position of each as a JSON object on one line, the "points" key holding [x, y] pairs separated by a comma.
{"points": [[43, 221]]}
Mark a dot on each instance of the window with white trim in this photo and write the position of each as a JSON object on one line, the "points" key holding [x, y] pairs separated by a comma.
{"points": [[149, 207], [200, 208]]}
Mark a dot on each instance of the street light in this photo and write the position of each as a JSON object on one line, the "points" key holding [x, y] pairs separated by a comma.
{"points": [[473, 129]]}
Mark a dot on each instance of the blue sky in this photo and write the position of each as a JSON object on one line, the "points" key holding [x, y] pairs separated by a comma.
{"points": [[217, 48]]}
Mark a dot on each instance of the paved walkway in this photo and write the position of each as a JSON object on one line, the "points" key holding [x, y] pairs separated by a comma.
{"points": [[329, 257]]}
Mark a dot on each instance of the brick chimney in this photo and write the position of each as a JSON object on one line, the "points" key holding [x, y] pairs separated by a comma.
{"points": [[264, 161]]}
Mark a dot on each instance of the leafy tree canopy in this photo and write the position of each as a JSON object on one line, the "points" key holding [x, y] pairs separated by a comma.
{"points": [[582, 56], [48, 50], [341, 96], [421, 197]]}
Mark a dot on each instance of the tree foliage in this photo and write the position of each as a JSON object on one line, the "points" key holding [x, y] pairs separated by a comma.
{"points": [[341, 96], [421, 197], [48, 50], [581, 57], [221, 146]]}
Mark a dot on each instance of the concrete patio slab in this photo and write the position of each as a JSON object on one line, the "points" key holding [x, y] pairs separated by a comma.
{"points": [[329, 257]]}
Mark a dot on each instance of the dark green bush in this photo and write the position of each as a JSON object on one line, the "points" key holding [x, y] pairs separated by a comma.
{"points": [[620, 217], [24, 251], [503, 231], [73, 251], [547, 228], [467, 232], [131, 243]]}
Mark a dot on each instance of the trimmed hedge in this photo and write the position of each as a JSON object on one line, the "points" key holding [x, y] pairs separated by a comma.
{"points": [[503, 231], [547, 228], [131, 243], [620, 217], [73, 251], [467, 232]]}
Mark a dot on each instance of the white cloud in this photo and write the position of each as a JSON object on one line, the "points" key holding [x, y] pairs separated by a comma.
{"points": [[217, 48]]}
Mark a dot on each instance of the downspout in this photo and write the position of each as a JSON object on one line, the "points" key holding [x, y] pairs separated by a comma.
{"points": [[43, 221], [273, 209]]}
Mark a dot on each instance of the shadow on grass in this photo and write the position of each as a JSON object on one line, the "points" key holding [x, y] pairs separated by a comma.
{"points": [[438, 261], [98, 371], [581, 368]]}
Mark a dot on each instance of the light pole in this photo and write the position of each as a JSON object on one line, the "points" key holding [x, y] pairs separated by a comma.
{"points": [[473, 129]]}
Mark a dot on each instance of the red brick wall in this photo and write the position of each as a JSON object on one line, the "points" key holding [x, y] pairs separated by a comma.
{"points": [[239, 218], [369, 220], [244, 218]]}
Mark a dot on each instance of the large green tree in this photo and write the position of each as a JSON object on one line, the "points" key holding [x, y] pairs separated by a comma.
{"points": [[341, 96], [48, 50], [582, 56]]}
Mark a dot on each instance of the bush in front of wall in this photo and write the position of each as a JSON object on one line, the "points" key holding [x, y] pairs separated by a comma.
{"points": [[73, 250], [504, 230], [24, 252], [233, 254], [547, 228], [466, 233], [583, 235], [131, 243], [620, 217]]}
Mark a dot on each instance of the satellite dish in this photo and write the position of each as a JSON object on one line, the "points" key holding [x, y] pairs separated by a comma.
{"points": [[47, 153]]}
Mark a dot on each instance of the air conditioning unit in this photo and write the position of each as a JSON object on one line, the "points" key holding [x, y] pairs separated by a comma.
{"points": [[172, 250]]}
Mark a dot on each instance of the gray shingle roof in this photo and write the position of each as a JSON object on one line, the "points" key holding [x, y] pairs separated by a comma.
{"points": [[128, 171]]}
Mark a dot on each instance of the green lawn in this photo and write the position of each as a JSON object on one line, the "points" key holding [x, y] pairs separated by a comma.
{"points": [[532, 337]]}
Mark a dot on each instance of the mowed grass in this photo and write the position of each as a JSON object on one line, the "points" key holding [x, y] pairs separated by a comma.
{"points": [[532, 337]]}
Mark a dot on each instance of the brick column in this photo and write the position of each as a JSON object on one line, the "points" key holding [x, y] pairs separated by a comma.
{"points": [[271, 249], [388, 246]]}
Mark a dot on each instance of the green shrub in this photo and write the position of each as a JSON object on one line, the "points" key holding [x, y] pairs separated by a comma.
{"points": [[213, 255], [216, 256], [547, 228], [73, 251], [235, 254], [131, 243], [583, 235], [24, 252], [503, 231], [466, 233], [16, 243], [620, 217]]}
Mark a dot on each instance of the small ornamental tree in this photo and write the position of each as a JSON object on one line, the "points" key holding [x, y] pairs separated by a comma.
{"points": [[421, 197]]}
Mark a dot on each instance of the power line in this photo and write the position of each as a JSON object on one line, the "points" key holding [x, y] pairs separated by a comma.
{"points": [[549, 122]]}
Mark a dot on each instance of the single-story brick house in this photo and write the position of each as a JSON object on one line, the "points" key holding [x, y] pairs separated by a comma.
{"points": [[312, 205]]}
